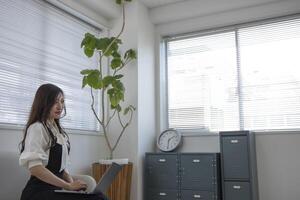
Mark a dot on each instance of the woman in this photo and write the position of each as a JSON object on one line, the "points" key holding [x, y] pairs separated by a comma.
{"points": [[45, 148]]}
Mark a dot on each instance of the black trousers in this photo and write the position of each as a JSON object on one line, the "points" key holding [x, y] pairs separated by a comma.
{"points": [[51, 195]]}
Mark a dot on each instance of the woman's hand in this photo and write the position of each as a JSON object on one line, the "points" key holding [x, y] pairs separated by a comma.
{"points": [[67, 177], [76, 185]]}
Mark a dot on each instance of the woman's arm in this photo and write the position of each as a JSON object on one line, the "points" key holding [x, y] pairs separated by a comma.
{"points": [[45, 175], [67, 177]]}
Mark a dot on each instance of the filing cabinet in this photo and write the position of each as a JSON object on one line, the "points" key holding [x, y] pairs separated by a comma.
{"points": [[238, 163], [182, 176]]}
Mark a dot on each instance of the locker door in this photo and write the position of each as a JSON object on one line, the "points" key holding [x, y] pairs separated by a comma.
{"points": [[162, 171], [197, 172], [235, 157], [237, 191]]}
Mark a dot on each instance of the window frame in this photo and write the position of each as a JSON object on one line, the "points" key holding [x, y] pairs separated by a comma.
{"points": [[163, 97]]}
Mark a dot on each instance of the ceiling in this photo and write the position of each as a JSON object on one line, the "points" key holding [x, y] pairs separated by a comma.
{"points": [[169, 11], [157, 3]]}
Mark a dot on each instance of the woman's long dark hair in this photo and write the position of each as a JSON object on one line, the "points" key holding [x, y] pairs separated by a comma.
{"points": [[44, 100]]}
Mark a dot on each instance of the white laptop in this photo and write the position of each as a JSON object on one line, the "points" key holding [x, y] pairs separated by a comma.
{"points": [[104, 182]]}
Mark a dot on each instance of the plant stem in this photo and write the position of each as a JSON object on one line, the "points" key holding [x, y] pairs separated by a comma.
{"points": [[122, 29], [110, 118], [100, 122], [123, 128]]}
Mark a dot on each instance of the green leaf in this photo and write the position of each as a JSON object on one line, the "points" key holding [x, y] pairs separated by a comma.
{"points": [[83, 42], [93, 79], [115, 96], [115, 63], [102, 43], [117, 41], [117, 107], [116, 54], [126, 110], [84, 81], [114, 100], [110, 91], [86, 39], [120, 95], [117, 84], [89, 43], [113, 47], [130, 54], [88, 52], [107, 80], [86, 71], [118, 76]]}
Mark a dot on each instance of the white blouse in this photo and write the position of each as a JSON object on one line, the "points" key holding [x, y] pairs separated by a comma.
{"points": [[36, 151]]}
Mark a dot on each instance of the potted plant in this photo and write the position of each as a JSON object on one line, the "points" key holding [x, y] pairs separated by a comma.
{"points": [[110, 85], [111, 89]]}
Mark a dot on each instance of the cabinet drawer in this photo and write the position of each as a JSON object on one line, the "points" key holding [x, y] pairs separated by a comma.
{"points": [[198, 171], [235, 157], [162, 171], [196, 195], [237, 191], [161, 194]]}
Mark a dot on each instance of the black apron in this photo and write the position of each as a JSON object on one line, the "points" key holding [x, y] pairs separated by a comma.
{"points": [[36, 189]]}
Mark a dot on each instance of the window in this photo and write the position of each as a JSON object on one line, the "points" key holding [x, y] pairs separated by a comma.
{"points": [[41, 44], [241, 78]]}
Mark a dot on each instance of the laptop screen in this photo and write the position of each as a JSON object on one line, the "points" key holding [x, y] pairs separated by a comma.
{"points": [[107, 178]]}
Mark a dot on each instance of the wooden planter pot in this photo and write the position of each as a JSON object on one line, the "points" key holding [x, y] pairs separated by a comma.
{"points": [[120, 188]]}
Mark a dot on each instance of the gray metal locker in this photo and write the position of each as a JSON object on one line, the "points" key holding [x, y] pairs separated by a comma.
{"points": [[182, 176], [235, 157], [162, 171], [238, 164], [191, 165]]}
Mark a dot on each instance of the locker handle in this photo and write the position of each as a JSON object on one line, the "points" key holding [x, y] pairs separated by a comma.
{"points": [[237, 187], [197, 196], [161, 160], [234, 141], [196, 161], [162, 194]]}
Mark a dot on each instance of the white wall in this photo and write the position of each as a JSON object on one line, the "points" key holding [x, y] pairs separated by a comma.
{"points": [[139, 83], [277, 161], [146, 92]]}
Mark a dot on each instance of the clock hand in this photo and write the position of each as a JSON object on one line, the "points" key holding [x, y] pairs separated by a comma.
{"points": [[169, 140]]}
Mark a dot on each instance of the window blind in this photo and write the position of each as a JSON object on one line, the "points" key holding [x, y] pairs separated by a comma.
{"points": [[202, 83], [247, 78], [41, 44], [270, 70]]}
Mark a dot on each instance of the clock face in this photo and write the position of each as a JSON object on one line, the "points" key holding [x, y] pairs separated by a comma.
{"points": [[169, 140]]}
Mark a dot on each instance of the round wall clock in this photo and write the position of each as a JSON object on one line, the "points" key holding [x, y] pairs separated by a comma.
{"points": [[169, 140]]}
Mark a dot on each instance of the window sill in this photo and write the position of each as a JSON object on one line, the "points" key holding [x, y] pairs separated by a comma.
{"points": [[15, 127], [199, 133]]}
